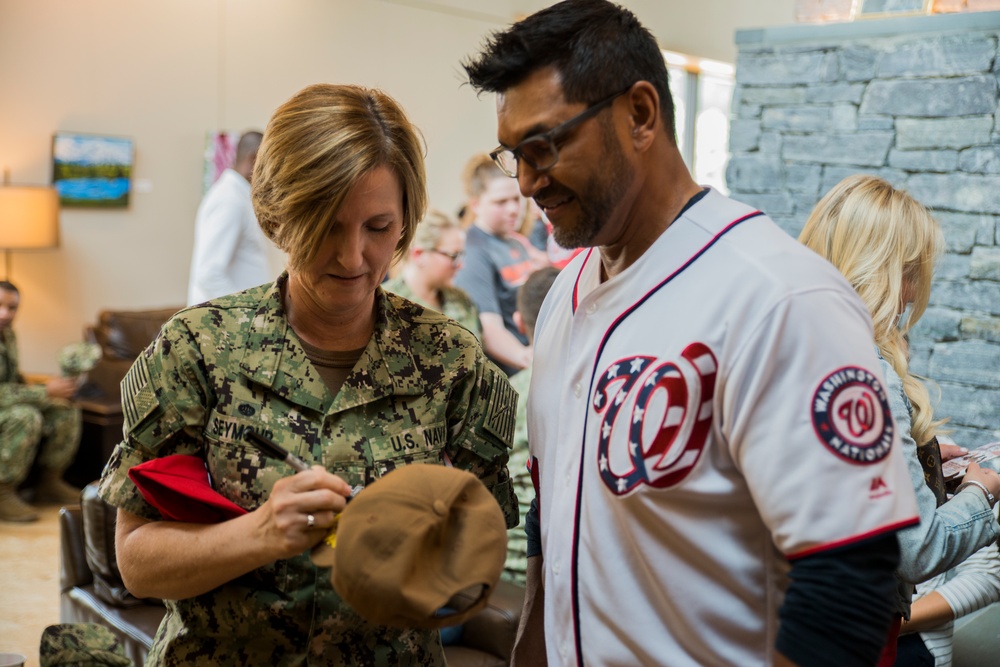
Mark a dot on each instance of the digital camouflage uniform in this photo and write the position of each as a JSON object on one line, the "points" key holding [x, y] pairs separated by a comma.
{"points": [[517, 542], [455, 303], [81, 645], [29, 418], [422, 388]]}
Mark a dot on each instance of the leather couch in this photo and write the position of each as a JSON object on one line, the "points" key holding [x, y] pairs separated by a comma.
{"points": [[91, 591], [122, 335]]}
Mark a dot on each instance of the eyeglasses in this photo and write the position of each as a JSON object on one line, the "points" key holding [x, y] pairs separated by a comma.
{"points": [[455, 257], [540, 151]]}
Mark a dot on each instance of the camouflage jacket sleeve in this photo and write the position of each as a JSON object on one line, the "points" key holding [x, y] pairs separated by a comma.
{"points": [[165, 397], [482, 408], [15, 393]]}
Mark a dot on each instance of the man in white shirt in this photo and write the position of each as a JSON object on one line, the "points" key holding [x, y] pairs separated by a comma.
{"points": [[717, 472], [230, 250]]}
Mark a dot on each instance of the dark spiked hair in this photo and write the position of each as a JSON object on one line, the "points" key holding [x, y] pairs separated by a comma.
{"points": [[597, 47]]}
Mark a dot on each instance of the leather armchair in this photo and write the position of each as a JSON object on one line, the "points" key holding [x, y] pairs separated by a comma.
{"points": [[122, 335]]}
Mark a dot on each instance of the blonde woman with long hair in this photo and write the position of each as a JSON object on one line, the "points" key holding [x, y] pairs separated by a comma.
{"points": [[886, 244]]}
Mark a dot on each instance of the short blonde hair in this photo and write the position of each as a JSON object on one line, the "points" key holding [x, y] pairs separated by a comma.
{"points": [[430, 230], [480, 171], [317, 146], [876, 235]]}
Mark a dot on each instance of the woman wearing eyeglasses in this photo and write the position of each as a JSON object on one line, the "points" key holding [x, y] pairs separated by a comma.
{"points": [[428, 275]]}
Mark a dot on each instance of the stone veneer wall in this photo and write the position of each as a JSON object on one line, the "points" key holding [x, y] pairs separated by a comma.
{"points": [[913, 100], [842, 10]]}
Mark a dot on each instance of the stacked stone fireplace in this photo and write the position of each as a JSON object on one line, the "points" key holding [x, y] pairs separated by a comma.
{"points": [[913, 100]]}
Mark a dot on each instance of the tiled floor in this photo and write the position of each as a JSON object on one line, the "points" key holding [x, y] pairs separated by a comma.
{"points": [[29, 583]]}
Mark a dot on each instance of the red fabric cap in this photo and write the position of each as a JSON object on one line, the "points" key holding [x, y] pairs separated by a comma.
{"points": [[179, 486]]}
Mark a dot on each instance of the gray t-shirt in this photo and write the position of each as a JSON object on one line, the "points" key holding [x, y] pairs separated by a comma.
{"points": [[493, 271]]}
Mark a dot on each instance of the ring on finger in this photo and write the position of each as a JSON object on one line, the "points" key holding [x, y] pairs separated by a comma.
{"points": [[310, 521]]}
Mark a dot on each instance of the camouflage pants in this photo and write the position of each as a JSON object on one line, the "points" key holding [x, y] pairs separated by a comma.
{"points": [[50, 431]]}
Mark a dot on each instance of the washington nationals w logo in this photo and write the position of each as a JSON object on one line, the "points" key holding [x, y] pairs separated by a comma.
{"points": [[655, 418], [858, 415], [851, 415]]}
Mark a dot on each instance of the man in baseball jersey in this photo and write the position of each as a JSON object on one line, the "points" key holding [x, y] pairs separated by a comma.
{"points": [[717, 471]]}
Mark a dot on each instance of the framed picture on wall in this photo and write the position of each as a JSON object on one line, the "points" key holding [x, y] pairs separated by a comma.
{"points": [[887, 8], [220, 153], [90, 170]]}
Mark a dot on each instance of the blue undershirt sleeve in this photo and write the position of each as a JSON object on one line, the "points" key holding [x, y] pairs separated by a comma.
{"points": [[533, 529], [840, 604]]}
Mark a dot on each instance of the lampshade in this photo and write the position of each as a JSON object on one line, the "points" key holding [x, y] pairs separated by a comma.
{"points": [[29, 217]]}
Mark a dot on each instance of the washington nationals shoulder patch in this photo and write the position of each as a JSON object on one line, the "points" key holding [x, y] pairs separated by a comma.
{"points": [[850, 413]]}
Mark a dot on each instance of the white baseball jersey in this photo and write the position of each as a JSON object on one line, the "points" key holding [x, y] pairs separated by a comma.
{"points": [[696, 421]]}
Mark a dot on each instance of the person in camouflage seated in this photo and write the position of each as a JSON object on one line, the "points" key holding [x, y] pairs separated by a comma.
{"points": [[428, 276], [36, 421], [350, 378], [530, 296]]}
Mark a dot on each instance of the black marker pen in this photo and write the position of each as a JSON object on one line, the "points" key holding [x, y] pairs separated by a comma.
{"points": [[276, 451]]}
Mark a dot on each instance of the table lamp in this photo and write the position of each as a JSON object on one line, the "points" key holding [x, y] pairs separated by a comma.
{"points": [[29, 219]]}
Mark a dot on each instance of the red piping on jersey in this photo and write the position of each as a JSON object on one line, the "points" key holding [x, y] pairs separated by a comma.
{"points": [[576, 283], [891, 528], [574, 579]]}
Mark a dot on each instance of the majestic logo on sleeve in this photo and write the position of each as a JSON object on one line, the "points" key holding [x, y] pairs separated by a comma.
{"points": [[655, 418], [850, 413]]}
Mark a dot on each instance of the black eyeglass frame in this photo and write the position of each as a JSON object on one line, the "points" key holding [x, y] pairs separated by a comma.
{"points": [[552, 138], [455, 257]]}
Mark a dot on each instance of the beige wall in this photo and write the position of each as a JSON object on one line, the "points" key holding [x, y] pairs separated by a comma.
{"points": [[165, 73]]}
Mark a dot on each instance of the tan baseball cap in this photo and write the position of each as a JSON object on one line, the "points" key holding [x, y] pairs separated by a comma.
{"points": [[413, 541]]}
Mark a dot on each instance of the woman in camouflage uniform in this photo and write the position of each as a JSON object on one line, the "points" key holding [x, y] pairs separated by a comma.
{"points": [[349, 378]]}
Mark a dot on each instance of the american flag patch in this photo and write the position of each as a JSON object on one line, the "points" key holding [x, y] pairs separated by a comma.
{"points": [[501, 408], [138, 397]]}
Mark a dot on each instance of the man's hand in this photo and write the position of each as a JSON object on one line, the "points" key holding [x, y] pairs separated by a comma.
{"points": [[529, 645], [61, 388]]}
